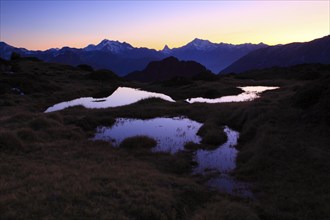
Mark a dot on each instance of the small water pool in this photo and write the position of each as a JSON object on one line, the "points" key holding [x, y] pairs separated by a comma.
{"points": [[222, 161], [226, 183], [171, 134], [122, 96], [250, 93]]}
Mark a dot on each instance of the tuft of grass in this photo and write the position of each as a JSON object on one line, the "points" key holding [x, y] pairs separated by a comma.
{"points": [[89, 122], [27, 135], [138, 142], [40, 123], [62, 133], [192, 146], [214, 138], [9, 142], [226, 210], [308, 97], [19, 118], [212, 134], [56, 116], [179, 163]]}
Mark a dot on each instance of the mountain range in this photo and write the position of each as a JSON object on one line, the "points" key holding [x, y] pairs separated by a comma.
{"points": [[315, 51], [213, 56], [123, 58]]}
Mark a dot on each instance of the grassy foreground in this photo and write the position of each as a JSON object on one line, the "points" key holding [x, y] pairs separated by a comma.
{"points": [[50, 169]]}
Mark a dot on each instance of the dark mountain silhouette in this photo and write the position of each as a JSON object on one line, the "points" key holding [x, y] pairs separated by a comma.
{"points": [[316, 51], [168, 68], [123, 58], [214, 56], [6, 50]]}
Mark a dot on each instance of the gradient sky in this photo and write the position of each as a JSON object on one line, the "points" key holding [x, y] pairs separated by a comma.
{"points": [[50, 23]]}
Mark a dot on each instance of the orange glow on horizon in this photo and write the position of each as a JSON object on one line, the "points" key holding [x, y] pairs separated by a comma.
{"points": [[156, 24]]}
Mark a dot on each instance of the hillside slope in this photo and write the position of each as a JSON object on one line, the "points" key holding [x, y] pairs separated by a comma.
{"points": [[166, 69], [316, 51]]}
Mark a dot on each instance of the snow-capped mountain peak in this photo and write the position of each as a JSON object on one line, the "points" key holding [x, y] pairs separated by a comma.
{"points": [[110, 46], [200, 44]]}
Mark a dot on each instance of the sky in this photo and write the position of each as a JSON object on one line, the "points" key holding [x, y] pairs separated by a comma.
{"points": [[44, 24]]}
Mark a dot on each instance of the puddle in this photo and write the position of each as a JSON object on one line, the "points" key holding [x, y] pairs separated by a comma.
{"points": [[126, 96], [222, 160], [228, 184], [250, 93], [122, 96], [171, 134]]}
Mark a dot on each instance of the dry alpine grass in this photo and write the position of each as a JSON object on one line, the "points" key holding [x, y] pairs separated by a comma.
{"points": [[51, 170]]}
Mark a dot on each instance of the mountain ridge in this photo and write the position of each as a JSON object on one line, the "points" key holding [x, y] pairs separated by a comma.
{"points": [[315, 51], [123, 58]]}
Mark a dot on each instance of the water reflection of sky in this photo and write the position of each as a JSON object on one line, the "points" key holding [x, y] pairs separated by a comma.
{"points": [[122, 96], [125, 96], [171, 134], [250, 93], [222, 159], [228, 184]]}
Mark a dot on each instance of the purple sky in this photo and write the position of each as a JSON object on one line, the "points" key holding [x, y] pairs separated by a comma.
{"points": [[46, 24]]}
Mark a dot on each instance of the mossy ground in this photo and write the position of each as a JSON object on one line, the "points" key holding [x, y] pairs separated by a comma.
{"points": [[50, 169]]}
